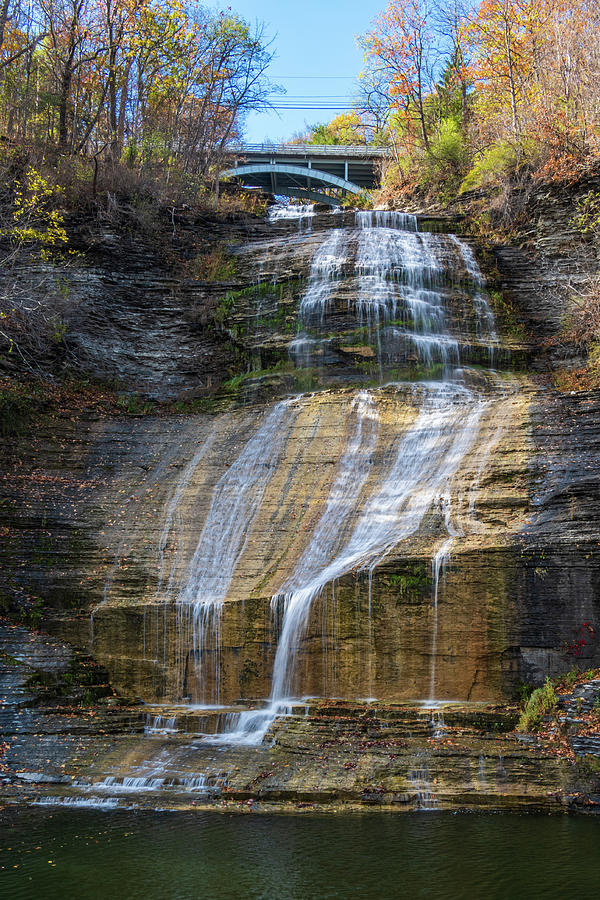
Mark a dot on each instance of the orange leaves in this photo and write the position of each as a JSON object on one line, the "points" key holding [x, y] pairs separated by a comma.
{"points": [[401, 49], [529, 62]]}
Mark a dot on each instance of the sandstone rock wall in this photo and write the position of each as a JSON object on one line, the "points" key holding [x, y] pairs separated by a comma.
{"points": [[84, 498]]}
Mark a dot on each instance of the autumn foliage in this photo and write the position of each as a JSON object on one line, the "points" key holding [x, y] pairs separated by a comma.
{"points": [[149, 84], [483, 88]]}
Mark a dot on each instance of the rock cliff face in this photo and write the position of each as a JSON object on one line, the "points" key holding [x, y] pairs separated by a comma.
{"points": [[103, 516], [551, 245]]}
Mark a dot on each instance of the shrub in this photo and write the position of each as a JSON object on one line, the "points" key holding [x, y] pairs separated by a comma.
{"points": [[587, 222], [448, 160], [397, 178], [582, 327], [362, 200], [17, 405], [496, 163], [217, 264], [134, 405], [542, 701]]}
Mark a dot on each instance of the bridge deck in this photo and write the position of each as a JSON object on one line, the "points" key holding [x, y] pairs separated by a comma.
{"points": [[366, 151]]}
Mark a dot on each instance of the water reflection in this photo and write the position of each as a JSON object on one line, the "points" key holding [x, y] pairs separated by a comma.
{"points": [[87, 854]]}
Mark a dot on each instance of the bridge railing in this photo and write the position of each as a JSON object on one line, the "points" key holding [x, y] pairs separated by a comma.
{"points": [[364, 150]]}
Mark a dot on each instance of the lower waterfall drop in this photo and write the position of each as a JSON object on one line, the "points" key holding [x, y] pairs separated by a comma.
{"points": [[235, 503], [426, 459]]}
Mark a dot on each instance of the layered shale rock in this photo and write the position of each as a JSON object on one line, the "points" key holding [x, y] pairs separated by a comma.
{"points": [[117, 527]]}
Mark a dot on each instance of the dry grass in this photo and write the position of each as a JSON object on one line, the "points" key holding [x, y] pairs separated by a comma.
{"points": [[582, 333]]}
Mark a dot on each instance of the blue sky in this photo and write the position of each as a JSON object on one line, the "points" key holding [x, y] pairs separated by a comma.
{"points": [[315, 40]]}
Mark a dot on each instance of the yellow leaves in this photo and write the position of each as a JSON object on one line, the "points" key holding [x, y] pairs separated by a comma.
{"points": [[36, 219]]}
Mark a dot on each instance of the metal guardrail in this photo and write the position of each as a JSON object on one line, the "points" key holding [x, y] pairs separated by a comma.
{"points": [[364, 150]]}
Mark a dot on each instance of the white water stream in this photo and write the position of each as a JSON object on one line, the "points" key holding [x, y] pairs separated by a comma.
{"points": [[235, 503], [301, 212]]}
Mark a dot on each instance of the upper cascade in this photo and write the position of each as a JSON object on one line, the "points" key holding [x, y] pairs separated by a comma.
{"points": [[382, 218], [383, 291], [291, 211]]}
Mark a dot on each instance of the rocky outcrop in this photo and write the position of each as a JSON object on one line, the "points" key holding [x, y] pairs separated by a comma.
{"points": [[551, 260], [329, 755]]}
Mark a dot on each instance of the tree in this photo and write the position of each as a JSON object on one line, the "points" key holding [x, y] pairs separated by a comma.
{"points": [[347, 128], [402, 53], [71, 27], [161, 87], [451, 18]]}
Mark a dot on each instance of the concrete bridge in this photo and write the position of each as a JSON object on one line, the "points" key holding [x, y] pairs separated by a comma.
{"points": [[306, 171]]}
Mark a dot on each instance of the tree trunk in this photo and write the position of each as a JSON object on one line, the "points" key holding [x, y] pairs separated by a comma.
{"points": [[511, 80], [123, 109], [65, 89], [65, 86], [3, 20]]}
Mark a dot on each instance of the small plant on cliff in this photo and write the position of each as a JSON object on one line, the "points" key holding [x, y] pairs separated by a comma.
{"points": [[362, 200], [583, 326], [581, 330], [491, 166], [413, 580], [36, 218], [32, 306], [134, 405], [217, 264], [507, 312], [17, 405], [587, 222], [542, 701], [584, 634]]}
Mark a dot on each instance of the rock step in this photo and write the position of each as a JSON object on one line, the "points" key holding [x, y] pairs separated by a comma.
{"points": [[203, 720], [583, 700], [586, 744], [72, 720]]}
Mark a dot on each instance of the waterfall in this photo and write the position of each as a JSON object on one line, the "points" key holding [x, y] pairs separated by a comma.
{"points": [[303, 212], [379, 497], [399, 272], [420, 781], [383, 218], [438, 567], [426, 459], [403, 280], [306, 583], [173, 515], [234, 505], [325, 273], [485, 324], [401, 276]]}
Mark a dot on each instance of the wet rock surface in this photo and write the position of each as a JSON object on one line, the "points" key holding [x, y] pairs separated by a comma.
{"points": [[84, 504], [327, 754]]}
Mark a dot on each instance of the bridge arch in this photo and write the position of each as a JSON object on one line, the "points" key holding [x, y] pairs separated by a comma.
{"points": [[306, 176]]}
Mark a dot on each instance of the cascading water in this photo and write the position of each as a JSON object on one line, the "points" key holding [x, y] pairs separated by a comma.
{"points": [[384, 218], [395, 268], [485, 323], [377, 500], [235, 503], [400, 280], [325, 273], [301, 212], [403, 281], [268, 551], [426, 459]]}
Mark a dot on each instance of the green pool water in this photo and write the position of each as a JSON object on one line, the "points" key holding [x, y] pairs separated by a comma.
{"points": [[83, 853]]}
